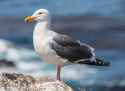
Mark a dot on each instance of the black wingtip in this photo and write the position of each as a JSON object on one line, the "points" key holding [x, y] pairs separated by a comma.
{"points": [[97, 62], [100, 62]]}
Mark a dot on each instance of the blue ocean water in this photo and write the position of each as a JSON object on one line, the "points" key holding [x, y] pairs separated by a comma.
{"points": [[63, 7]]}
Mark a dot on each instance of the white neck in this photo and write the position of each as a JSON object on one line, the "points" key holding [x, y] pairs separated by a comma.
{"points": [[40, 30], [42, 26]]}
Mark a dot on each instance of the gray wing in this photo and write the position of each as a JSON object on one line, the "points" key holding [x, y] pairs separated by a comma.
{"points": [[65, 40], [70, 49]]}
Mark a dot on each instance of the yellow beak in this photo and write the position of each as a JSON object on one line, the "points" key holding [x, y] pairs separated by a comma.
{"points": [[29, 19]]}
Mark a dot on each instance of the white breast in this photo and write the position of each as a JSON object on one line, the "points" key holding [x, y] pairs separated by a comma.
{"points": [[42, 47]]}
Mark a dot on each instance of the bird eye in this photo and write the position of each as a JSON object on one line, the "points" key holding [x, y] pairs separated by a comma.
{"points": [[40, 13]]}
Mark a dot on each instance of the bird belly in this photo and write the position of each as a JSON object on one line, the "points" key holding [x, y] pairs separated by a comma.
{"points": [[52, 59], [47, 54]]}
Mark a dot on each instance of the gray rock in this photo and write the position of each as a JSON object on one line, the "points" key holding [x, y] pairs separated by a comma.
{"points": [[20, 82]]}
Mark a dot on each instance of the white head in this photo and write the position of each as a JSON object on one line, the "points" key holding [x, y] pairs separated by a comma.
{"points": [[41, 15]]}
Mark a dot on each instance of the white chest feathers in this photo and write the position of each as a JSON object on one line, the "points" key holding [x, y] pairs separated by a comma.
{"points": [[41, 42]]}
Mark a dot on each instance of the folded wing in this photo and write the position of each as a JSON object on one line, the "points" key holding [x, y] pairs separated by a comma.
{"points": [[70, 49]]}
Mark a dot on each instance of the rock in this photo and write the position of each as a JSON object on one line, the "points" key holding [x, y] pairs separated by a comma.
{"points": [[20, 82]]}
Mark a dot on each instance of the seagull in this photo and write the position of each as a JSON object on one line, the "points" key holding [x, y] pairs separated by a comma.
{"points": [[59, 49]]}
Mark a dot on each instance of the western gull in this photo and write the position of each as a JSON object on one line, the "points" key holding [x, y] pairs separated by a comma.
{"points": [[59, 49]]}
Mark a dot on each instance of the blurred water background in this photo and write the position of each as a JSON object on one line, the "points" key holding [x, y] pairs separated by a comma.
{"points": [[101, 23]]}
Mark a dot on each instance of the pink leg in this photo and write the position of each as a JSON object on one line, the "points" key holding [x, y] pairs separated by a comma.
{"points": [[58, 72]]}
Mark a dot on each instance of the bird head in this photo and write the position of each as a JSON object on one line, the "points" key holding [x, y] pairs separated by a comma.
{"points": [[40, 15]]}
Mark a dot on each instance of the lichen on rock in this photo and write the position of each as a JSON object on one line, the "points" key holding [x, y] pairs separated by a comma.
{"points": [[20, 82]]}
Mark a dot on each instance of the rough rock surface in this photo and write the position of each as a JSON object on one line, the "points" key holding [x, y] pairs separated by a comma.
{"points": [[20, 82]]}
